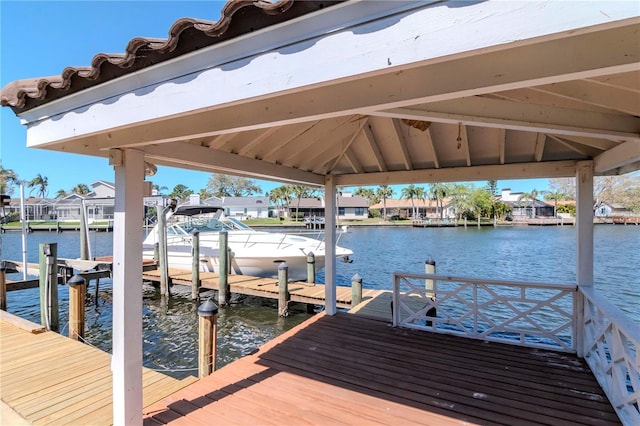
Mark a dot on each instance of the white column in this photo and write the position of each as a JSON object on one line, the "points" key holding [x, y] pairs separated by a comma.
{"points": [[330, 194], [584, 223], [584, 245], [126, 361]]}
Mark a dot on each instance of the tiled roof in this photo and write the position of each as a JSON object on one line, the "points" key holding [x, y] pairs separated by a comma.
{"points": [[186, 35]]}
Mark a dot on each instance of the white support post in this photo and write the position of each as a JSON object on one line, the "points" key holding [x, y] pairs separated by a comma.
{"points": [[126, 361], [330, 245], [584, 223], [584, 244]]}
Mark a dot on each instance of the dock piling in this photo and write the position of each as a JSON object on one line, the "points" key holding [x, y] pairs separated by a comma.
{"points": [[356, 290], [3, 286], [283, 290], [311, 268], [429, 286], [195, 265], [49, 313], [223, 259], [77, 288], [207, 338]]}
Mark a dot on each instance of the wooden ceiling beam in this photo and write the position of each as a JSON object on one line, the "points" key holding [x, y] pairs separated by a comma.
{"points": [[195, 157], [551, 169]]}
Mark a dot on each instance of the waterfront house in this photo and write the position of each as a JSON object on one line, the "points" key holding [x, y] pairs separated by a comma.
{"points": [[612, 210], [350, 207], [403, 208], [523, 207], [361, 93], [242, 207]]}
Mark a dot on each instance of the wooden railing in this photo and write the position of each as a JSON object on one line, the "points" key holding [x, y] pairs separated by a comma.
{"points": [[611, 349], [527, 314]]}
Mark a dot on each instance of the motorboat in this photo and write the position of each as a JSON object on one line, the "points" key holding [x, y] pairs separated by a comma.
{"points": [[255, 253]]}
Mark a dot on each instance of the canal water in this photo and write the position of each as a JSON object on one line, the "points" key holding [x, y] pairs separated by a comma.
{"points": [[543, 254]]}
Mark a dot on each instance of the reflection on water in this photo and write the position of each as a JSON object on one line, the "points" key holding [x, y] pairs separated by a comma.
{"points": [[542, 254]]}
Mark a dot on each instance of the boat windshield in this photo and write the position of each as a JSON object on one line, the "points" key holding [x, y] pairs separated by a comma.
{"points": [[206, 224]]}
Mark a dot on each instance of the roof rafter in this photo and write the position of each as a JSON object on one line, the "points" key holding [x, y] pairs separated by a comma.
{"points": [[539, 150], [486, 112], [399, 140], [375, 149]]}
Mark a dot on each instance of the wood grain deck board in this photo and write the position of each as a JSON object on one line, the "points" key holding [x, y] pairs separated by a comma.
{"points": [[352, 370], [50, 379]]}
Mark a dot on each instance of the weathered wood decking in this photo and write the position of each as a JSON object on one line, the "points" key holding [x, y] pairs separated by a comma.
{"points": [[301, 292], [352, 370], [47, 378]]}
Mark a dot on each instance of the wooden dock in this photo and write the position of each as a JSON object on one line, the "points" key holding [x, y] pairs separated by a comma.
{"points": [[345, 369], [301, 292], [47, 378]]}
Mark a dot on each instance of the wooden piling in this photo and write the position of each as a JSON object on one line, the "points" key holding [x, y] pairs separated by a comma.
{"points": [[3, 286], [311, 267], [195, 265], [84, 242], [283, 290], [429, 268], [77, 289], [223, 291], [356, 290], [49, 314], [429, 286], [207, 338], [162, 253]]}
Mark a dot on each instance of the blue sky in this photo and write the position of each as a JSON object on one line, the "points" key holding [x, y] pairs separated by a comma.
{"points": [[41, 38]]}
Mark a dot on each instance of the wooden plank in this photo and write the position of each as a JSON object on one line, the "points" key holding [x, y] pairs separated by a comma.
{"points": [[21, 323], [50, 379], [352, 370]]}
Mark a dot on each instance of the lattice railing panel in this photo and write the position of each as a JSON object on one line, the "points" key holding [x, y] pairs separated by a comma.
{"points": [[611, 348], [529, 314]]}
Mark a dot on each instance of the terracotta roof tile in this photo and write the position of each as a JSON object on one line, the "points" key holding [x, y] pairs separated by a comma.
{"points": [[186, 35]]}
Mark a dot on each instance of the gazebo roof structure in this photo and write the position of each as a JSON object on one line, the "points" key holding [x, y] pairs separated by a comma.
{"points": [[393, 92], [344, 94]]}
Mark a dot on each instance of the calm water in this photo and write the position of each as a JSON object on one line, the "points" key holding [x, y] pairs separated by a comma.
{"points": [[545, 254]]}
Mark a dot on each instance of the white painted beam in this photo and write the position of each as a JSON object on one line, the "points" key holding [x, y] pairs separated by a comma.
{"points": [[620, 156], [195, 157], [178, 109], [487, 112], [126, 361], [553, 169], [330, 210], [595, 93], [539, 150]]}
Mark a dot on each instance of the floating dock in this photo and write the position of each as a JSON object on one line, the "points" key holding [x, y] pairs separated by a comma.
{"points": [[301, 292]]}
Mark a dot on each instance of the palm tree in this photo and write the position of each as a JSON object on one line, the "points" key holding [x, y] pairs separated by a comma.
{"points": [[8, 178], [159, 189], [528, 196], [281, 196], [40, 182], [61, 193], [461, 200], [383, 192], [409, 193], [555, 196], [80, 189], [299, 191], [438, 191], [421, 195]]}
